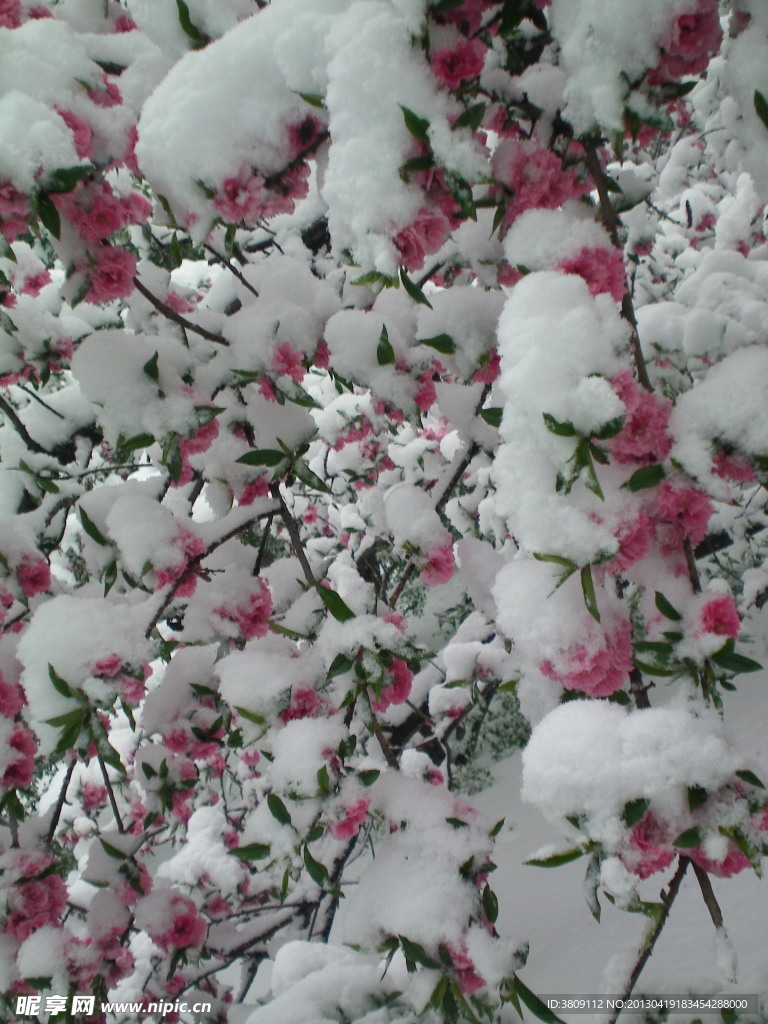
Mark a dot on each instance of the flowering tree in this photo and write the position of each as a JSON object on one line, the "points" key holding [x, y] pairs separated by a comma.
{"points": [[380, 379]]}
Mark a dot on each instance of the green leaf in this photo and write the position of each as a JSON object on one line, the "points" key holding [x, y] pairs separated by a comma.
{"points": [[314, 99], [112, 851], [48, 214], [308, 478], [565, 429], [132, 444], [335, 604], [667, 610], [323, 781], [417, 164], [609, 429], [369, 776], [65, 178], [442, 343], [385, 354], [59, 684], [688, 840], [340, 664], [262, 457], [462, 194], [761, 106], [91, 528], [747, 776], [736, 663], [566, 563], [194, 33], [646, 476], [588, 589], [497, 828], [417, 126], [634, 811], [492, 416], [534, 1004], [373, 277], [251, 716], [252, 851], [317, 872], [416, 953], [413, 289], [490, 904], [278, 810], [70, 718], [150, 368], [471, 118], [555, 860], [6, 251]]}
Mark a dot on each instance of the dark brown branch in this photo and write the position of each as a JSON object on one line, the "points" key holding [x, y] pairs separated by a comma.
{"points": [[111, 794], [171, 314], [20, 429], [232, 269], [639, 689], [650, 942], [611, 221], [709, 895], [293, 533], [60, 801]]}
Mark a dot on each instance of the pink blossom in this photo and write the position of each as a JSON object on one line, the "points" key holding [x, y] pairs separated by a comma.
{"points": [[93, 796], [734, 467], [691, 40], [426, 394], [188, 928], [634, 539], [303, 135], [650, 849], [398, 689], [535, 177], [256, 489], [112, 277], [599, 672], [682, 513], [425, 235], [33, 904], [129, 159], [107, 96], [602, 269], [456, 64], [81, 132], [322, 357], [488, 373], [733, 862], [125, 24], [287, 362], [22, 767], [104, 217], [201, 440], [34, 575], [439, 565], [305, 703], [135, 208], [467, 977], [241, 197], [354, 816], [251, 618], [718, 615], [11, 698], [34, 283], [644, 438], [10, 13]]}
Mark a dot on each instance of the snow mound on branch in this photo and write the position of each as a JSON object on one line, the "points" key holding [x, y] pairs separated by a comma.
{"points": [[591, 758]]}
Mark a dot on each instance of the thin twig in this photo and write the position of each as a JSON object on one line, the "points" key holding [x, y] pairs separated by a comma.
{"points": [[232, 269], [177, 318], [262, 547], [111, 794], [611, 220], [20, 429], [639, 689], [38, 399], [60, 801], [650, 942], [709, 895], [293, 533], [378, 732]]}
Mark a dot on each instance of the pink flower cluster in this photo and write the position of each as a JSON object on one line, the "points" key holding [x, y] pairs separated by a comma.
{"points": [[681, 513], [718, 615], [599, 671], [252, 615], [187, 930], [438, 565], [10, 13], [456, 64], [398, 689], [34, 575], [692, 39], [305, 703], [467, 977], [644, 438], [425, 235], [354, 816], [533, 178], [38, 897], [14, 211], [189, 546], [246, 196], [602, 269]]}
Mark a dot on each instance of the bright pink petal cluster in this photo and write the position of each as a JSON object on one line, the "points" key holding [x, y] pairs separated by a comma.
{"points": [[597, 672], [438, 566], [424, 236], [188, 928], [456, 64], [113, 274], [692, 39], [644, 438], [34, 575], [535, 178], [718, 615], [650, 849], [251, 616], [602, 269], [682, 513], [398, 690], [354, 816]]}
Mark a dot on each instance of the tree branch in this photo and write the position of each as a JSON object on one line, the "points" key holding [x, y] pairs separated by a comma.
{"points": [[293, 533], [171, 314]]}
